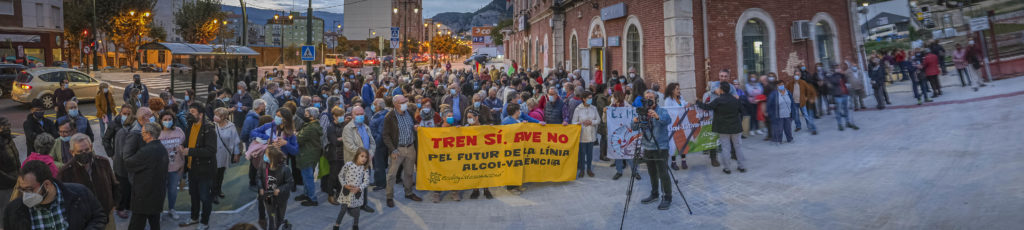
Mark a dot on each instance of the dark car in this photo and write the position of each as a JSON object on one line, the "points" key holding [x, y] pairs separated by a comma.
{"points": [[150, 68], [387, 60], [481, 58], [9, 72], [353, 62]]}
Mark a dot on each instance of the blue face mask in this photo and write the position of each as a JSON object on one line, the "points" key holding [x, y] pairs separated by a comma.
{"points": [[782, 88], [187, 98], [266, 158], [450, 120], [451, 91], [803, 68], [278, 120], [168, 124], [65, 139], [152, 119], [373, 108], [73, 112], [360, 119], [419, 105], [341, 120], [590, 101], [317, 105], [476, 104]]}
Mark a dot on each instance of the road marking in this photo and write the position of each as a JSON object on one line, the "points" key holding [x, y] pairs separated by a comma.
{"points": [[512, 199], [412, 215]]}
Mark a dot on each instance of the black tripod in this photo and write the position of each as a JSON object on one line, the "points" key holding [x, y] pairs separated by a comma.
{"points": [[644, 125]]}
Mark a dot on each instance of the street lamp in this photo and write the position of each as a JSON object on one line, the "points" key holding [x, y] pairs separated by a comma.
{"points": [[214, 21], [395, 10], [146, 14], [275, 17], [289, 17], [132, 13], [416, 10]]}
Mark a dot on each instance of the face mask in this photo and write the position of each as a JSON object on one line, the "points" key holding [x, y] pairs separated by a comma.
{"points": [[316, 105], [31, 199], [771, 79], [373, 108], [278, 120], [450, 120], [752, 80], [419, 105], [65, 139], [426, 110], [122, 117], [168, 124], [341, 119], [266, 158], [293, 86], [84, 158], [65, 86], [632, 75], [360, 118], [476, 104], [590, 101], [346, 90], [105, 90], [225, 100], [782, 88], [469, 120], [38, 114], [551, 98], [240, 91], [287, 93], [451, 91], [403, 107], [270, 78], [803, 68], [797, 77], [152, 119], [73, 112], [139, 96]]}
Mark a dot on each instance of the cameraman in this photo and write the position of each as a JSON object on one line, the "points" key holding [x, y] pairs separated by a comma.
{"points": [[655, 144]]}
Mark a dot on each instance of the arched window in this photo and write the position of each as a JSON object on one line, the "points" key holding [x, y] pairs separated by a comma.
{"points": [[823, 38], [755, 47], [574, 53], [633, 48]]}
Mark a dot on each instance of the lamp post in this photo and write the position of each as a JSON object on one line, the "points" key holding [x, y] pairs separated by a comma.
{"points": [[309, 36]]}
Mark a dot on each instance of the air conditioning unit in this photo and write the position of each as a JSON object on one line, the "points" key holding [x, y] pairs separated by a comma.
{"points": [[801, 30]]}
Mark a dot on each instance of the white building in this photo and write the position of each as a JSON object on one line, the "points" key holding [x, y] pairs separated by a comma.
{"points": [[163, 16], [363, 18]]}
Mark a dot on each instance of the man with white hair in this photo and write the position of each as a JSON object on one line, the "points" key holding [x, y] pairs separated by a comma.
{"points": [[87, 168], [241, 102], [270, 99]]}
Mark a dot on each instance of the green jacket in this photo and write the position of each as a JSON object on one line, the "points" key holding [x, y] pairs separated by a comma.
{"points": [[309, 145]]}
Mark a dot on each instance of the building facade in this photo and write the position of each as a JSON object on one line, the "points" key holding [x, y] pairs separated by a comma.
{"points": [[675, 41], [362, 19], [35, 27]]}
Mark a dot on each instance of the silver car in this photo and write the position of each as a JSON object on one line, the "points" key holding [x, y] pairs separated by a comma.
{"points": [[41, 82]]}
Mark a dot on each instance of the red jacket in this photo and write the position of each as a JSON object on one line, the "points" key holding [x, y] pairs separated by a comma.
{"points": [[931, 65]]}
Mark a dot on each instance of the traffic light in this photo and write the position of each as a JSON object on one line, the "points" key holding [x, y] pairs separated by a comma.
{"points": [[85, 33]]}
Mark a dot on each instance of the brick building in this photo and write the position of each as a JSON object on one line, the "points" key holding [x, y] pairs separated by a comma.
{"points": [[34, 27], [666, 40]]}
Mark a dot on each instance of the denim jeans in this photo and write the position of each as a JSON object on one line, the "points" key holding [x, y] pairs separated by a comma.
{"points": [[621, 163], [308, 177], [172, 189], [586, 157], [807, 118], [842, 110], [920, 84], [103, 126], [199, 188]]}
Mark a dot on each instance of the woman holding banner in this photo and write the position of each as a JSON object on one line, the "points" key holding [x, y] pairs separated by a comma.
{"points": [[674, 98], [449, 121], [473, 119], [619, 100]]}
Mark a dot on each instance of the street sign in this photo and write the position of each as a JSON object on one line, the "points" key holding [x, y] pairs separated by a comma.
{"points": [[394, 35], [86, 49], [308, 53], [394, 44], [979, 24], [21, 51]]}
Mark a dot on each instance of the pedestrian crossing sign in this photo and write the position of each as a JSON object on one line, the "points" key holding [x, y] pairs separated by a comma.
{"points": [[308, 53]]}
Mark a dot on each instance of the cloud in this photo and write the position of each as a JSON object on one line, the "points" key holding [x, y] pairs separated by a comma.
{"points": [[430, 7]]}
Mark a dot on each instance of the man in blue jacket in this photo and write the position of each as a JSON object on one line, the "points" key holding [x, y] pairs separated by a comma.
{"points": [[367, 92], [655, 144]]}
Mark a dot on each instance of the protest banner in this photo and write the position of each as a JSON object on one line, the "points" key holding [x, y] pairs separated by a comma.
{"points": [[458, 158], [685, 120]]}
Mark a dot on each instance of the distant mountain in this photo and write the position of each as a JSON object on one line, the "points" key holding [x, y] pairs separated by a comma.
{"points": [[260, 16], [489, 15]]}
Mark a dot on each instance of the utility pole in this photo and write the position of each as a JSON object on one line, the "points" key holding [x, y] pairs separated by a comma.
{"points": [[94, 33], [309, 36]]}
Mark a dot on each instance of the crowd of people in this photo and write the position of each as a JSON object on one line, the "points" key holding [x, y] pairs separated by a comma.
{"points": [[355, 133]]}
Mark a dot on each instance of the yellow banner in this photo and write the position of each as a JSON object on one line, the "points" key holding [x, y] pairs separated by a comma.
{"points": [[461, 158]]}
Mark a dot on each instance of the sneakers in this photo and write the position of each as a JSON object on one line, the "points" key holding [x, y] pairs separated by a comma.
{"points": [[636, 175], [435, 197], [814, 132], [918, 101], [333, 200], [674, 166], [302, 197], [650, 199], [190, 222], [617, 176], [367, 208], [475, 194], [852, 126], [683, 165], [456, 195], [487, 194], [726, 171], [742, 170], [173, 214], [665, 203], [797, 130], [203, 227], [590, 173]]}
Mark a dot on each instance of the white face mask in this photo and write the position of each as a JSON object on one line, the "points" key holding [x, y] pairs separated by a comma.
{"points": [[403, 107], [31, 199], [469, 120]]}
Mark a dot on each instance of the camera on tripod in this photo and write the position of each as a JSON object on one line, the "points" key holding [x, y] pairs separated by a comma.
{"points": [[641, 112]]}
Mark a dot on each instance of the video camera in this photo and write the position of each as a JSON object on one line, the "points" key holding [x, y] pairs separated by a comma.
{"points": [[641, 112]]}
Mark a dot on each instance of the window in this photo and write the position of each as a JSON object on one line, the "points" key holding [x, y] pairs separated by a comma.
{"points": [[824, 43], [52, 77], [574, 53], [40, 17], [7, 7], [56, 15], [160, 57], [755, 47], [78, 77], [633, 48]]}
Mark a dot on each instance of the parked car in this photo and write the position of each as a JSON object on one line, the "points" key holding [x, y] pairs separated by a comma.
{"points": [[179, 68], [421, 59], [387, 60], [353, 62], [481, 58], [41, 82], [8, 72], [150, 68], [371, 61]]}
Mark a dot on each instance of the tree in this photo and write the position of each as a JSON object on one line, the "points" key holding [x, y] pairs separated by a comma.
{"points": [[157, 33], [496, 34], [196, 20], [127, 31]]}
